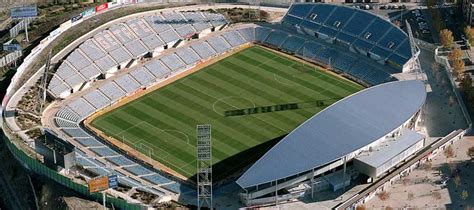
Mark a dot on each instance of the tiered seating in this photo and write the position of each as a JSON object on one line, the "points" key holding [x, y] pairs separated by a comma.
{"points": [[233, 38], [89, 142], [156, 179], [60, 122], [261, 34], [198, 21], [173, 62], [136, 48], [114, 48], [122, 33], [75, 132], [120, 161], [57, 87], [127, 83], [276, 38], [81, 107], [248, 33], [104, 151], [187, 55], [153, 42], [157, 68], [203, 50], [97, 99], [112, 92], [174, 187], [218, 44], [358, 28], [157, 23], [142, 76], [292, 44], [138, 170], [67, 114], [215, 19]]}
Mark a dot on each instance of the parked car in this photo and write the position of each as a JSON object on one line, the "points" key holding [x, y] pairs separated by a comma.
{"points": [[425, 31]]}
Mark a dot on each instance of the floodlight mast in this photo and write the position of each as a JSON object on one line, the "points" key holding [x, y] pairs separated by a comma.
{"points": [[204, 166]]}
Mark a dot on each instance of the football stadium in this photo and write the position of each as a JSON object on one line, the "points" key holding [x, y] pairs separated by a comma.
{"points": [[307, 104]]}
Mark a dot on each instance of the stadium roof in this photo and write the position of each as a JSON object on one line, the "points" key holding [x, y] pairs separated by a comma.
{"points": [[340, 129], [383, 154]]}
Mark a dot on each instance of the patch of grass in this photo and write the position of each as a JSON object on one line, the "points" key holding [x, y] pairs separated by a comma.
{"points": [[162, 124]]}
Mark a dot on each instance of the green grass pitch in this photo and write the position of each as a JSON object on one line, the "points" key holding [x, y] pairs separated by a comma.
{"points": [[162, 123]]}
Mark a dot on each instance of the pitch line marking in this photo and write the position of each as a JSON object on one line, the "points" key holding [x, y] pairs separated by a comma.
{"points": [[250, 116], [276, 79], [118, 134], [177, 131], [221, 100]]}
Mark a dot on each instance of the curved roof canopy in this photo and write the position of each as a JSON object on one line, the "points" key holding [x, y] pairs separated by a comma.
{"points": [[342, 128], [359, 28]]}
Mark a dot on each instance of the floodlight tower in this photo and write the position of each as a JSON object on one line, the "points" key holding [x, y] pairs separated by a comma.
{"points": [[42, 85], [204, 166], [414, 52]]}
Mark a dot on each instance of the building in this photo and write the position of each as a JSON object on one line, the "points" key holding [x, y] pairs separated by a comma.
{"points": [[319, 152], [467, 11]]}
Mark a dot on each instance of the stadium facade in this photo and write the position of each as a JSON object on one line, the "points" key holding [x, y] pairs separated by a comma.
{"points": [[140, 52]]}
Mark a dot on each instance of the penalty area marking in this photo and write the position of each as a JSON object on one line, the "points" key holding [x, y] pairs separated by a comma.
{"points": [[221, 100]]}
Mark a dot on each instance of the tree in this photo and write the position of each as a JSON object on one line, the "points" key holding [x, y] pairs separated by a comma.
{"points": [[469, 34], [470, 152], [384, 195], [448, 152], [458, 67], [457, 181], [446, 38], [455, 54], [464, 195], [360, 207], [436, 195], [427, 166], [466, 83]]}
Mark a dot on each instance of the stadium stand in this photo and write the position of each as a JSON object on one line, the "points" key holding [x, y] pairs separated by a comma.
{"points": [[111, 90], [173, 62], [203, 50], [138, 170], [128, 84], [218, 44], [187, 55], [89, 142], [378, 39], [233, 38], [114, 48], [158, 69], [142, 76], [60, 122], [248, 33], [96, 99], [276, 38]]}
